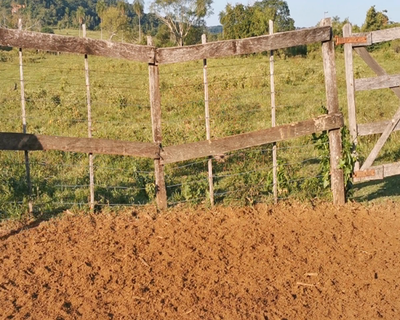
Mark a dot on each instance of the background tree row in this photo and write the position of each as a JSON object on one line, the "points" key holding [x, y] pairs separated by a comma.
{"points": [[170, 22]]}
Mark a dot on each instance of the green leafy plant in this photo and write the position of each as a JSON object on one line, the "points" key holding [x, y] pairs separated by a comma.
{"points": [[346, 163]]}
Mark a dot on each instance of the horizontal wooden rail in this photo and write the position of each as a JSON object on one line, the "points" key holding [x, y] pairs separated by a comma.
{"points": [[367, 129], [378, 36], [377, 172], [57, 43], [228, 48], [374, 83], [220, 146], [31, 142], [149, 54]]}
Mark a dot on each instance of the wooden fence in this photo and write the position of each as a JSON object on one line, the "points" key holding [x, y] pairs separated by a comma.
{"points": [[154, 57], [358, 43]]}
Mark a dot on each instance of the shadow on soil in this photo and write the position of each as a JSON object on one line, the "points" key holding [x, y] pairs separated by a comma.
{"points": [[372, 190], [30, 222]]}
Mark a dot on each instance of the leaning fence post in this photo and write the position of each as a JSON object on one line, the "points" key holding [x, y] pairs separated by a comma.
{"points": [[155, 105], [335, 138], [24, 130], [89, 107], [208, 129]]}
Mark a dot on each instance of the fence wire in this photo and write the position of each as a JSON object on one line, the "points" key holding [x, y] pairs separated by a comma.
{"points": [[55, 96]]}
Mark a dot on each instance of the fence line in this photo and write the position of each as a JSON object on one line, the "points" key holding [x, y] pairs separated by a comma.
{"points": [[192, 180], [163, 155]]}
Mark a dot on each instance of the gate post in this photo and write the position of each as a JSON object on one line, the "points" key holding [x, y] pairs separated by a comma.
{"points": [[332, 99], [155, 104]]}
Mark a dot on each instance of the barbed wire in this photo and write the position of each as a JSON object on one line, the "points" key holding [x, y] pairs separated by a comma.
{"points": [[82, 69], [98, 186], [223, 88], [219, 194]]}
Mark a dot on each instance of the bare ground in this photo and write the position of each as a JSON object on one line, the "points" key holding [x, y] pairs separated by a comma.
{"points": [[290, 261]]}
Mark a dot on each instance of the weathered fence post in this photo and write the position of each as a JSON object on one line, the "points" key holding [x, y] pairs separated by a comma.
{"points": [[273, 117], [332, 99], [89, 108], [208, 129], [348, 52], [155, 105], [24, 129]]}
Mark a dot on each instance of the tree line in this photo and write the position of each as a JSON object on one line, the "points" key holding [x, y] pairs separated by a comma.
{"points": [[169, 22]]}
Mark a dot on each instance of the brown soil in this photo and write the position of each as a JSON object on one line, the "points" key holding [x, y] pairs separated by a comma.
{"points": [[291, 261]]}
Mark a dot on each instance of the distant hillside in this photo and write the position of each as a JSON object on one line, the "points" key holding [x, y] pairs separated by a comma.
{"points": [[62, 13], [215, 29]]}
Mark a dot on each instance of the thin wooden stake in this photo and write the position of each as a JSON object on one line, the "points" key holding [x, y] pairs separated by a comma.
{"points": [[89, 107], [155, 104], [273, 117], [208, 128], [332, 99], [24, 125]]}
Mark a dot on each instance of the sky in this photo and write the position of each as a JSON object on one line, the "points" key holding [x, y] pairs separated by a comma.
{"points": [[307, 13]]}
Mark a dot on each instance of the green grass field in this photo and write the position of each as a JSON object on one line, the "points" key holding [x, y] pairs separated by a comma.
{"points": [[55, 94]]}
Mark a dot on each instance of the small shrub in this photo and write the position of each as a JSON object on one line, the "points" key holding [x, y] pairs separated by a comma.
{"points": [[47, 29]]}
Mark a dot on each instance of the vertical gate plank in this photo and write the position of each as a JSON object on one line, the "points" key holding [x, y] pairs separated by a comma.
{"points": [[351, 100]]}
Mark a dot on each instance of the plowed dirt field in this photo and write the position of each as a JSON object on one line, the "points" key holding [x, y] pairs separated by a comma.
{"points": [[291, 261]]}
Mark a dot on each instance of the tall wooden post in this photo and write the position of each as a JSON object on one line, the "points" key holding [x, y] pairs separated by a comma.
{"points": [[155, 105], [89, 108], [273, 117], [24, 129], [332, 99], [208, 128]]}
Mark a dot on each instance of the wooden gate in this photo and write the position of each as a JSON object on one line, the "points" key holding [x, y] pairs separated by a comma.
{"points": [[358, 43]]}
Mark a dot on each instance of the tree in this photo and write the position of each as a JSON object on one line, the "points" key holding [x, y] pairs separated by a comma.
{"points": [[375, 20], [277, 11], [122, 6], [236, 21], [181, 15], [337, 26], [248, 21], [100, 9], [114, 21], [138, 6]]}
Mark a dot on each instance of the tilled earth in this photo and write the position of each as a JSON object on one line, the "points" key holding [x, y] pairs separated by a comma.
{"points": [[291, 261]]}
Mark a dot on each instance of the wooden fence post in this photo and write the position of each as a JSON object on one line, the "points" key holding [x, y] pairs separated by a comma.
{"points": [[24, 125], [89, 108], [208, 129], [273, 117], [351, 102], [155, 105], [335, 139]]}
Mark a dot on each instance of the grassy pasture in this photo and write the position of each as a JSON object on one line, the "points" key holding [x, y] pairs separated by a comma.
{"points": [[55, 94]]}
